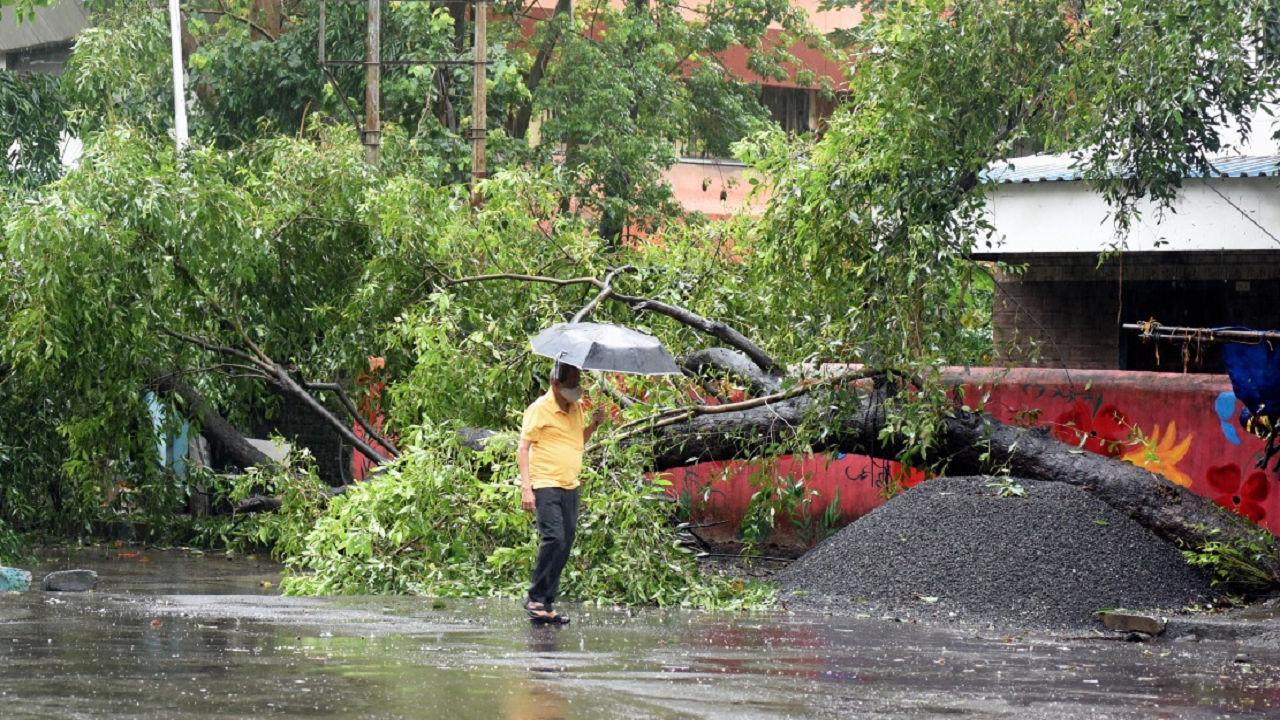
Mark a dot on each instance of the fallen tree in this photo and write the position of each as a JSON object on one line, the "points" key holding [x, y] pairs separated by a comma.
{"points": [[287, 261], [225, 436], [848, 412], [968, 443]]}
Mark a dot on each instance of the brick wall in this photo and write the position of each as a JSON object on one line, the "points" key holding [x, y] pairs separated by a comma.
{"points": [[302, 426], [1056, 324], [1065, 311]]}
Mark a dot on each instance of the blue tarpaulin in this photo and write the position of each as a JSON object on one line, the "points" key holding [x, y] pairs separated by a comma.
{"points": [[1254, 369]]}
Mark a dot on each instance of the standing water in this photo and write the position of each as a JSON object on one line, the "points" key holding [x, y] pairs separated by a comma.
{"points": [[174, 635]]}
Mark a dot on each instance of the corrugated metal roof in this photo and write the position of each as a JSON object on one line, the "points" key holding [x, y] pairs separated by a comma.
{"points": [[1061, 168], [51, 25]]}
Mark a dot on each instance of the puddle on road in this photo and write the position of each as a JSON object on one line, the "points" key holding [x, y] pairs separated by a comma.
{"points": [[135, 652], [139, 570]]}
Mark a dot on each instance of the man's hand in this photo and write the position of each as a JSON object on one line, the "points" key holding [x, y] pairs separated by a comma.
{"points": [[597, 417], [526, 485]]}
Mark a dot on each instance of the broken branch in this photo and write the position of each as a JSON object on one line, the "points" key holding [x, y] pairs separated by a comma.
{"points": [[351, 409], [606, 291], [733, 363], [224, 12], [673, 416], [281, 378], [232, 442], [278, 375], [723, 332]]}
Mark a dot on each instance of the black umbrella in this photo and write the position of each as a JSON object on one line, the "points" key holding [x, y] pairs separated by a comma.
{"points": [[612, 348]]}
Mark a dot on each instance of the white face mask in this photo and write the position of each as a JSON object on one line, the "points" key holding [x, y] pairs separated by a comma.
{"points": [[571, 394]]}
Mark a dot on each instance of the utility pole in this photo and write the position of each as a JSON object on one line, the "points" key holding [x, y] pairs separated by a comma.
{"points": [[479, 121], [372, 138]]}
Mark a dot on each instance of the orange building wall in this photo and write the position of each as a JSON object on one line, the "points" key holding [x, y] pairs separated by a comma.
{"points": [[824, 20], [714, 188]]}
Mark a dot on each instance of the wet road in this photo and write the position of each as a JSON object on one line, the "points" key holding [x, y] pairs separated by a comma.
{"points": [[171, 636]]}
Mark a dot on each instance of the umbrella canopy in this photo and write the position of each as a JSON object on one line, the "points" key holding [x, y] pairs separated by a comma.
{"points": [[598, 346]]}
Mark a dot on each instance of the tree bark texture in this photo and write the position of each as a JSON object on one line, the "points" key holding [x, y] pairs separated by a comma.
{"points": [[221, 433], [719, 360]]}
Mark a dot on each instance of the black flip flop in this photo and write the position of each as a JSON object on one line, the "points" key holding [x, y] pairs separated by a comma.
{"points": [[537, 613], [556, 618]]}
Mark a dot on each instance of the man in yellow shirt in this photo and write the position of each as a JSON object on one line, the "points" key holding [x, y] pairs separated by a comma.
{"points": [[552, 437]]}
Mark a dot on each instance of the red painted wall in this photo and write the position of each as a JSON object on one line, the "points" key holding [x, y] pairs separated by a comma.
{"points": [[1182, 426]]}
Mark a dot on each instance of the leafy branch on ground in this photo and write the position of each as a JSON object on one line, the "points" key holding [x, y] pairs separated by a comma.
{"points": [[1239, 565], [444, 521]]}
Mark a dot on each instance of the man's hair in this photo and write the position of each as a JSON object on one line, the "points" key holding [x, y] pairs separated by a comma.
{"points": [[563, 371]]}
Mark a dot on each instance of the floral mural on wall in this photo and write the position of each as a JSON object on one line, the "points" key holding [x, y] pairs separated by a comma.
{"points": [[1184, 427], [1162, 455], [1139, 423], [1234, 490], [1104, 431]]}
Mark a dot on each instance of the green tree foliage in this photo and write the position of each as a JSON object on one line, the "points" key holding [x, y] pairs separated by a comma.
{"points": [[876, 218], [25, 9], [109, 269], [133, 266], [34, 495], [1145, 92], [656, 82], [31, 127], [120, 72], [441, 521], [297, 247]]}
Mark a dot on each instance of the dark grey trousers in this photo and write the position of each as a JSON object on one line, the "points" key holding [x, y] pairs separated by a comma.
{"points": [[557, 511]]}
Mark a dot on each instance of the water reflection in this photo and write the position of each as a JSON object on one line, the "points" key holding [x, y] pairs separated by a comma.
{"points": [[190, 656], [535, 701], [544, 639]]}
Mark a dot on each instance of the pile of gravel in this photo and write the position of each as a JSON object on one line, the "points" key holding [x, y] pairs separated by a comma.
{"points": [[954, 546]]}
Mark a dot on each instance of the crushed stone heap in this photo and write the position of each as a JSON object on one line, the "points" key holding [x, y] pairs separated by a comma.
{"points": [[953, 545]]}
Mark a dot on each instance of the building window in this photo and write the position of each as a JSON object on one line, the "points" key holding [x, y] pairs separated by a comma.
{"points": [[790, 107]]}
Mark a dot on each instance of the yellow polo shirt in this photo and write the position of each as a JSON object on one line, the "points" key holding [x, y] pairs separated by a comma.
{"points": [[556, 434]]}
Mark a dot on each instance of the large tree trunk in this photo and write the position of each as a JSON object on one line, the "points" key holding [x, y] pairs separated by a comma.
{"points": [[520, 124], [970, 444], [221, 433]]}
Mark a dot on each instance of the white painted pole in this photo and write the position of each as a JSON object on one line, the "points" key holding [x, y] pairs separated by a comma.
{"points": [[179, 88]]}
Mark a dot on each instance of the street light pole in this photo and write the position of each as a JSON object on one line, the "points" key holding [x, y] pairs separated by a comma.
{"points": [[179, 87]]}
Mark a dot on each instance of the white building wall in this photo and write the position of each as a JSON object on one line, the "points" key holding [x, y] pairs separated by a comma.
{"points": [[1210, 214]]}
